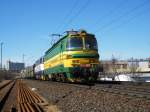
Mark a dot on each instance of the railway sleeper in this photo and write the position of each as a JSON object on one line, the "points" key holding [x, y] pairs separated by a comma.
{"points": [[29, 101]]}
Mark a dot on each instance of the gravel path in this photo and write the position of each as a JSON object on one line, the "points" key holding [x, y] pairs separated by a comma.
{"points": [[69, 98]]}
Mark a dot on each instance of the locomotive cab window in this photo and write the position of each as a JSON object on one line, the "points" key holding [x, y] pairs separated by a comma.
{"points": [[74, 43], [91, 43]]}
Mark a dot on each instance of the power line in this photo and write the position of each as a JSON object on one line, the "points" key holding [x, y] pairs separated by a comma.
{"points": [[123, 15], [115, 9], [130, 19], [54, 39], [68, 14], [81, 9], [30, 60]]}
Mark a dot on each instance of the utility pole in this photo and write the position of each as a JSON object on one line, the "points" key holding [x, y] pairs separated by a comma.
{"points": [[1, 55], [23, 59]]}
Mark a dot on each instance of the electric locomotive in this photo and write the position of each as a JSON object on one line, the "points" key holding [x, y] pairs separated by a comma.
{"points": [[73, 58]]}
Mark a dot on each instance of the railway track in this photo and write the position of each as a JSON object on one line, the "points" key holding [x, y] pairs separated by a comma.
{"points": [[29, 101], [92, 98], [4, 93], [15, 96], [128, 90], [5, 84]]}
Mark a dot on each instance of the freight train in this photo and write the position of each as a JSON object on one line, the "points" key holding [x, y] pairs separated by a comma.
{"points": [[73, 58]]}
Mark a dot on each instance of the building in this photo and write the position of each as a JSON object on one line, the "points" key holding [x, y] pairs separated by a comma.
{"points": [[144, 66], [131, 65], [139, 65], [110, 66], [15, 66]]}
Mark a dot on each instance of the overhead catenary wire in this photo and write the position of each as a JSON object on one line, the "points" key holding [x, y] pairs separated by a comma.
{"points": [[81, 9], [123, 15], [59, 28], [67, 16], [129, 19], [110, 12]]}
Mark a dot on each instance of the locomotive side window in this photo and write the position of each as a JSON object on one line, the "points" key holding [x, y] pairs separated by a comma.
{"points": [[74, 43], [90, 43]]}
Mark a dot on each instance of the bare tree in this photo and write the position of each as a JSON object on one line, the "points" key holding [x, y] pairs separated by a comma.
{"points": [[114, 64], [134, 66]]}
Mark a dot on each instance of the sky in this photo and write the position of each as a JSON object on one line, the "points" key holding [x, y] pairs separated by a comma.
{"points": [[122, 27]]}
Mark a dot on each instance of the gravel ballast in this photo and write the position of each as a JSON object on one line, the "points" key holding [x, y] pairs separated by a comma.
{"points": [[70, 98]]}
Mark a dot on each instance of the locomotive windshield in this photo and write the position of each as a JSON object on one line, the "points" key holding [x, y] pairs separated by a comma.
{"points": [[90, 43], [75, 43]]}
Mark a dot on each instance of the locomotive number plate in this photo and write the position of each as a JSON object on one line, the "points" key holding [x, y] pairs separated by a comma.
{"points": [[85, 65]]}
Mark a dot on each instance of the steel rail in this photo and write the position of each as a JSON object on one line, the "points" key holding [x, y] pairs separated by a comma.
{"points": [[28, 101]]}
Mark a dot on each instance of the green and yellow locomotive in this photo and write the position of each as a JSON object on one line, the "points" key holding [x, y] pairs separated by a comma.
{"points": [[73, 58]]}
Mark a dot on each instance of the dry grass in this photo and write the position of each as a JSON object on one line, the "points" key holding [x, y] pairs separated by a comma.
{"points": [[4, 75]]}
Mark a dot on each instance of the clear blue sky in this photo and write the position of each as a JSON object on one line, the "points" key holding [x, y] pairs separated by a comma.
{"points": [[122, 27]]}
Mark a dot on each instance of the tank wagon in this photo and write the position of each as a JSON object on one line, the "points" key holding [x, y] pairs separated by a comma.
{"points": [[72, 58]]}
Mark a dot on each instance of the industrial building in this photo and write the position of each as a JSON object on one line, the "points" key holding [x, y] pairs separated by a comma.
{"points": [[117, 66], [131, 65], [140, 65], [15, 66]]}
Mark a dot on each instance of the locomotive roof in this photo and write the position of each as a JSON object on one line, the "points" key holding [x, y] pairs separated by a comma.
{"points": [[56, 43], [69, 34], [40, 60]]}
